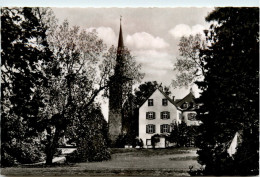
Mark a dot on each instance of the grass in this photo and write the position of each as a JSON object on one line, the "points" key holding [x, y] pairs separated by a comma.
{"points": [[152, 152], [138, 162]]}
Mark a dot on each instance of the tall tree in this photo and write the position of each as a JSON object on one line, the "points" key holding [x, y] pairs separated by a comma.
{"points": [[24, 52], [189, 65], [84, 68], [230, 93], [73, 82]]}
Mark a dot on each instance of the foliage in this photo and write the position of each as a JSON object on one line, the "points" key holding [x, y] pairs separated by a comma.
{"points": [[131, 68], [189, 65], [76, 79], [24, 52], [155, 139], [90, 135], [230, 94], [145, 90], [182, 135]]}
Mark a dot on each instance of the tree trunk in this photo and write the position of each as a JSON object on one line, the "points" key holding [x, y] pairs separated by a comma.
{"points": [[50, 151]]}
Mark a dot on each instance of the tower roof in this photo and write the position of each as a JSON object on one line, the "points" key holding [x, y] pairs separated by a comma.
{"points": [[120, 40]]}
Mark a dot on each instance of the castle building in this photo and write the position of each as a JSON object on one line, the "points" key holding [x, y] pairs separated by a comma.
{"points": [[158, 113], [120, 85]]}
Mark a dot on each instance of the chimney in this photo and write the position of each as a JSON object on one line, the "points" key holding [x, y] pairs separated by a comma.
{"points": [[173, 98]]}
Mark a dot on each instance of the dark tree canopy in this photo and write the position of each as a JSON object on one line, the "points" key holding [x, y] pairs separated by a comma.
{"points": [[230, 93], [146, 89], [24, 51]]}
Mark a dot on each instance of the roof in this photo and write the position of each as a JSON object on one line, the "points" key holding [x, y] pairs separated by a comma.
{"points": [[120, 47], [188, 98], [164, 94]]}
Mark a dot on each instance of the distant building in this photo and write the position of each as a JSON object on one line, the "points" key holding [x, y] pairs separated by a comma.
{"points": [[159, 112], [188, 107]]}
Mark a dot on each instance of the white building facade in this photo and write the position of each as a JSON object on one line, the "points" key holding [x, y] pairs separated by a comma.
{"points": [[156, 116]]}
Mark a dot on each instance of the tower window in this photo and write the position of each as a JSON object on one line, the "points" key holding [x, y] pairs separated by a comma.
{"points": [[150, 128], [165, 115], [150, 115], [150, 102], [164, 102]]}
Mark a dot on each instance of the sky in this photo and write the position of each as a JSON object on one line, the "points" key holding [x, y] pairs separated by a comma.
{"points": [[151, 34]]}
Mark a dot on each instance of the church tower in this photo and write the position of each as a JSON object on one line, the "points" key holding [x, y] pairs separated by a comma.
{"points": [[119, 82]]}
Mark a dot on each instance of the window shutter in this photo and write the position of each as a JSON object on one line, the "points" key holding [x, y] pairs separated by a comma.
{"points": [[153, 128], [153, 115], [161, 115], [147, 115], [147, 127], [168, 115], [161, 128], [168, 128]]}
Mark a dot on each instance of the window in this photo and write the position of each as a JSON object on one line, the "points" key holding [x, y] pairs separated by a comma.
{"points": [[165, 115], [185, 105], [191, 116], [164, 102], [150, 128], [150, 115], [165, 128], [148, 142], [150, 102]]}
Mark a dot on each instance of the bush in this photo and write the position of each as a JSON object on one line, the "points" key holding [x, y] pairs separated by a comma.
{"points": [[7, 160], [21, 153], [29, 153], [88, 152], [155, 139]]}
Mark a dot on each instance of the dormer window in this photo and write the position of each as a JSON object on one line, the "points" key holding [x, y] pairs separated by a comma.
{"points": [[150, 102], [164, 102], [185, 105]]}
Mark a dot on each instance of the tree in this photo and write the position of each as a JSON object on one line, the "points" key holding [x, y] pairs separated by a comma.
{"points": [[24, 52], [190, 65], [84, 69], [146, 89], [73, 82], [230, 94], [90, 133], [179, 134]]}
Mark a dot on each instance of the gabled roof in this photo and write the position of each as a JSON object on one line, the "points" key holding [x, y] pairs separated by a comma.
{"points": [[190, 98], [164, 94]]}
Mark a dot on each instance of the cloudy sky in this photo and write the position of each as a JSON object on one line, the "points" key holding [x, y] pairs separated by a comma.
{"points": [[152, 34]]}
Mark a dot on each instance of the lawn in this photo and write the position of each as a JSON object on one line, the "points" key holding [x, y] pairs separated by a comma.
{"points": [[130, 162]]}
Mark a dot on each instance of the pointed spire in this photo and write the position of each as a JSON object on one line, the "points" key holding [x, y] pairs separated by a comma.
{"points": [[120, 40]]}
